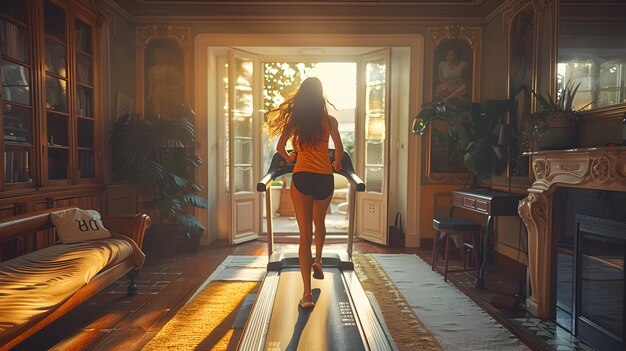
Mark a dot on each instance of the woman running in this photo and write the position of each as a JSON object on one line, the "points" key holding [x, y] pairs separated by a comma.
{"points": [[304, 121]]}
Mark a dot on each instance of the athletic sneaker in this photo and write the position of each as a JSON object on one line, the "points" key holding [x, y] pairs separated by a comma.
{"points": [[306, 302], [318, 273]]}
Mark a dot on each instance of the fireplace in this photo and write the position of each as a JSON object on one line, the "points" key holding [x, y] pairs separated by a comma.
{"points": [[590, 281], [575, 215]]}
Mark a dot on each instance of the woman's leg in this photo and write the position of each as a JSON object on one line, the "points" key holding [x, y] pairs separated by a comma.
{"points": [[320, 208], [303, 206]]}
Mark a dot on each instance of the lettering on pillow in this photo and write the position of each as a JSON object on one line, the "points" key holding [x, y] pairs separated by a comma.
{"points": [[85, 226], [76, 225]]}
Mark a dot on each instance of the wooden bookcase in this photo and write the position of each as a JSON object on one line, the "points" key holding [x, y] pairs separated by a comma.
{"points": [[51, 116]]}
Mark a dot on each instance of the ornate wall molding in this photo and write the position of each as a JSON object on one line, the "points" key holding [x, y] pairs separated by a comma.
{"points": [[596, 168], [513, 10]]}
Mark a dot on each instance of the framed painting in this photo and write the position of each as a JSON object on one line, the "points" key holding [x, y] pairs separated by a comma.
{"points": [[163, 77], [164, 83], [452, 70], [453, 62]]}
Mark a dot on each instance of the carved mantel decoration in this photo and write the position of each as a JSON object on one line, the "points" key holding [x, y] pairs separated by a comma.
{"points": [[595, 168]]}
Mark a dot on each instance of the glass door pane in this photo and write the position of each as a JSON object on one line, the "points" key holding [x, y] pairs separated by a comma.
{"points": [[56, 58], [16, 79], [56, 94], [242, 148], [58, 123], [15, 82], [82, 37], [84, 99], [16, 9], [54, 21], [226, 117], [14, 41], [17, 124], [372, 162], [242, 126], [375, 128], [17, 164]]}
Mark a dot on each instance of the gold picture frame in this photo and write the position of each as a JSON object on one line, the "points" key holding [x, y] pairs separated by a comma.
{"points": [[464, 43], [164, 78]]}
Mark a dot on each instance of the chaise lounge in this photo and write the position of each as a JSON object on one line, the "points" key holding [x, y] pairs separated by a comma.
{"points": [[48, 278]]}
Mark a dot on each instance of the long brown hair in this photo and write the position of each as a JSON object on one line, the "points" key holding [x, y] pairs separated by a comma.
{"points": [[301, 115]]}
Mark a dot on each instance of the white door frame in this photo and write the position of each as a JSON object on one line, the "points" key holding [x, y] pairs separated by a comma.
{"points": [[209, 113]]}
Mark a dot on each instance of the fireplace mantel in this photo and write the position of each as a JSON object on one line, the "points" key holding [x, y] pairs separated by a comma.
{"points": [[602, 168]]}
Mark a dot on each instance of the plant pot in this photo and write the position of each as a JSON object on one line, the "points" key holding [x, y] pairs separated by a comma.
{"points": [[164, 240], [561, 133]]}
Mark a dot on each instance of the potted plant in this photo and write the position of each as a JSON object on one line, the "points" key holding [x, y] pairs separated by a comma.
{"points": [[155, 154], [472, 132], [554, 124]]}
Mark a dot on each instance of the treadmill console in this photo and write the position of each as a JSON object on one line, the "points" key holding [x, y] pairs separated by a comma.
{"points": [[280, 166]]}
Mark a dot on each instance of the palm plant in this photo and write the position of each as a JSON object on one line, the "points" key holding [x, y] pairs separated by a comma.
{"points": [[472, 132], [155, 154]]}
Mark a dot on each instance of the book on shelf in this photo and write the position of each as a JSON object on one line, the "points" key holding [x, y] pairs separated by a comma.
{"points": [[86, 164], [12, 39], [14, 42]]}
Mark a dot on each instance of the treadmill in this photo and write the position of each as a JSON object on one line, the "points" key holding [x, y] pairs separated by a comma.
{"points": [[342, 319]]}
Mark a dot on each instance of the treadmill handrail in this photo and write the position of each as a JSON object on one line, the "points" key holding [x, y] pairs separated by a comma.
{"points": [[280, 166]]}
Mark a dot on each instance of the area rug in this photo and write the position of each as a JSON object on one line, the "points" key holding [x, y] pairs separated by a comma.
{"points": [[404, 327], [205, 323], [419, 310], [452, 317]]}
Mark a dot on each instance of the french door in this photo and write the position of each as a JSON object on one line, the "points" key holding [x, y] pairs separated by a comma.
{"points": [[372, 141], [242, 151], [243, 120]]}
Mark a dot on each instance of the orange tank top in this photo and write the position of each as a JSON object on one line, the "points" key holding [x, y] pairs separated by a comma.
{"points": [[315, 159]]}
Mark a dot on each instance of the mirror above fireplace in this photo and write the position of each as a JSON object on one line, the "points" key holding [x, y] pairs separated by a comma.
{"points": [[592, 52]]}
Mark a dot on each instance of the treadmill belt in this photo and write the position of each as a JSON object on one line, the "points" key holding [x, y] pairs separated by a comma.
{"points": [[330, 325]]}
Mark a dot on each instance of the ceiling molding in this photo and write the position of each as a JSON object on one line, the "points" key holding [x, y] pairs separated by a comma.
{"points": [[330, 10]]}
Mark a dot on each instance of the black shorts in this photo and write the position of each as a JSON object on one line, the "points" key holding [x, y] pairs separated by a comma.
{"points": [[320, 186]]}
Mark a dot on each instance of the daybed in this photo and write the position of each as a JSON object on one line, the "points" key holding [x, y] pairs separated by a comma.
{"points": [[49, 278]]}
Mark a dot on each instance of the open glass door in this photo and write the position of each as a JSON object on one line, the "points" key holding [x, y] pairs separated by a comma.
{"points": [[372, 139], [242, 152]]}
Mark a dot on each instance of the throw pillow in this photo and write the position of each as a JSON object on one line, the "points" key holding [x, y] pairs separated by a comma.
{"points": [[76, 225]]}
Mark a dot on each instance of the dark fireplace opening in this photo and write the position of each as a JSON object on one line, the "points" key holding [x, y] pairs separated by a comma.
{"points": [[599, 288], [589, 229]]}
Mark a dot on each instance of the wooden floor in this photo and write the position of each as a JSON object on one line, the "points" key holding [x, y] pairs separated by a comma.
{"points": [[112, 321]]}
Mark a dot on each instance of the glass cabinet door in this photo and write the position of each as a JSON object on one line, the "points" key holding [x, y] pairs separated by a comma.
{"points": [[56, 91], [84, 99], [17, 100], [48, 95]]}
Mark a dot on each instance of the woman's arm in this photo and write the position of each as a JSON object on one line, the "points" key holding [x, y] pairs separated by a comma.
{"points": [[280, 148], [334, 134]]}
